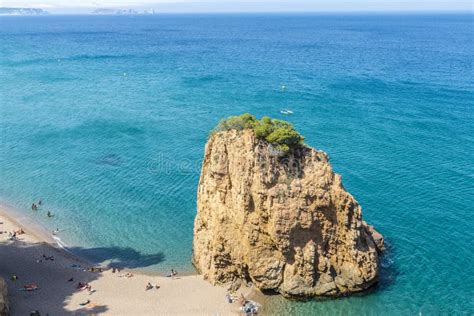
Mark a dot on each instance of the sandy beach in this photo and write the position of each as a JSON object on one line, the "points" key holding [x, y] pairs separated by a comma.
{"points": [[29, 258]]}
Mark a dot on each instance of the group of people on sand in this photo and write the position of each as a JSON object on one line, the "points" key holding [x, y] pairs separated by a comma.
{"points": [[232, 298], [30, 287], [127, 275], [85, 287], [247, 307], [27, 287], [150, 286], [45, 258], [13, 235]]}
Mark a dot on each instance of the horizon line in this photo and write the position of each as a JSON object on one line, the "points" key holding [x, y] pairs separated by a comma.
{"points": [[84, 11]]}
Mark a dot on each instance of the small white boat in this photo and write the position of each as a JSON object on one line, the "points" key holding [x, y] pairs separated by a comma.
{"points": [[286, 112]]}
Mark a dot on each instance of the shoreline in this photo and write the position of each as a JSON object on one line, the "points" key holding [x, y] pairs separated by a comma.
{"points": [[42, 233], [37, 232], [112, 292], [35, 228]]}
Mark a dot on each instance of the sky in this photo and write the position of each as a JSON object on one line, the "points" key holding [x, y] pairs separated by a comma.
{"points": [[249, 6]]}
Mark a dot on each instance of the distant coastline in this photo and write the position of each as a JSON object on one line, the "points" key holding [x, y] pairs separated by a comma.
{"points": [[22, 11], [109, 11], [214, 8]]}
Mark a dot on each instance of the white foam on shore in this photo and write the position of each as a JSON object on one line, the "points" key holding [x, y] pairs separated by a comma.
{"points": [[59, 242]]}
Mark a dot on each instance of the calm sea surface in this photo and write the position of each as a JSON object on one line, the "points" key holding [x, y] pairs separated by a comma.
{"points": [[105, 119]]}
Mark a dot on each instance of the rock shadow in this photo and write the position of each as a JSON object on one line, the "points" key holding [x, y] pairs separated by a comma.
{"points": [[118, 257]]}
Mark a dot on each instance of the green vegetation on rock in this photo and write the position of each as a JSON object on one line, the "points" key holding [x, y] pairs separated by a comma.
{"points": [[278, 132]]}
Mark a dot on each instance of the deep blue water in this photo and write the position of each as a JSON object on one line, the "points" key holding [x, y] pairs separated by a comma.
{"points": [[106, 118]]}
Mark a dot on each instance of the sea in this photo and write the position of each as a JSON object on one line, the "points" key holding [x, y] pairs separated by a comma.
{"points": [[105, 119]]}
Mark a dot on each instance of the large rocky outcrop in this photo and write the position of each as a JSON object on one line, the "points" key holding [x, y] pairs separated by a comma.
{"points": [[4, 309], [282, 221]]}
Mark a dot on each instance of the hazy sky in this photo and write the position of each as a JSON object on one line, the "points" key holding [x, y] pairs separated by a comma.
{"points": [[249, 6]]}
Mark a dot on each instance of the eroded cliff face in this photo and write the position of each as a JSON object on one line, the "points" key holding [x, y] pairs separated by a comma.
{"points": [[4, 309], [285, 223]]}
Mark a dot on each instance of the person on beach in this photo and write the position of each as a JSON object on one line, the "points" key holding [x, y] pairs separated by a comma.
{"points": [[49, 214], [30, 287], [242, 300], [84, 286], [150, 286], [127, 275], [12, 236], [85, 303], [34, 207], [39, 202]]}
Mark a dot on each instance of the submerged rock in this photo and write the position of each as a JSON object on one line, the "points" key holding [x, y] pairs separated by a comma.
{"points": [[282, 221], [4, 309]]}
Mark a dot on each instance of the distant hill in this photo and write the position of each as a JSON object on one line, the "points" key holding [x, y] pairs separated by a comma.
{"points": [[22, 11]]}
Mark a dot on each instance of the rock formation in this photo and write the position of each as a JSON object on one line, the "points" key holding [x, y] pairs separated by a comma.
{"points": [[282, 221], [4, 309]]}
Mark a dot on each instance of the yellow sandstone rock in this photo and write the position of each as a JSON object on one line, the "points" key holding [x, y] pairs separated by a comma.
{"points": [[282, 221]]}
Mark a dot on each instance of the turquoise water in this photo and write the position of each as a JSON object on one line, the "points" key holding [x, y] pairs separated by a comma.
{"points": [[105, 119]]}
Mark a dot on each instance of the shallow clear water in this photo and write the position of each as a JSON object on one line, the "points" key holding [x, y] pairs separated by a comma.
{"points": [[105, 119]]}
